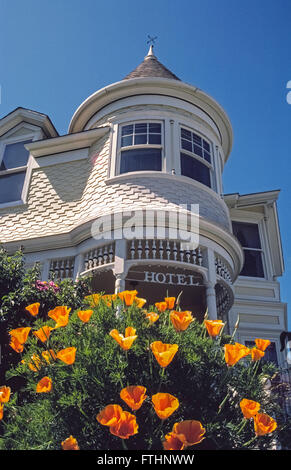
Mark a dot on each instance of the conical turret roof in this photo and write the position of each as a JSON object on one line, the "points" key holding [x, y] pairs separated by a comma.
{"points": [[151, 67]]}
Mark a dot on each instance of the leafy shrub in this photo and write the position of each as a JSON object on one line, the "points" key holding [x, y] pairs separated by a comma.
{"points": [[98, 369]]}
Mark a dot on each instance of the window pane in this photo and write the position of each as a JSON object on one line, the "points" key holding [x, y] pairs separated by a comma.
{"points": [[155, 128], [247, 234], [15, 155], [194, 169], [198, 151], [140, 128], [127, 130], [155, 139], [207, 156], [125, 141], [186, 134], [187, 145], [253, 265], [11, 186], [141, 160], [140, 139], [197, 139], [206, 146]]}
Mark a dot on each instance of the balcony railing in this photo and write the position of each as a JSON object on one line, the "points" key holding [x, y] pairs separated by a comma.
{"points": [[166, 250], [223, 270], [99, 256], [62, 268]]}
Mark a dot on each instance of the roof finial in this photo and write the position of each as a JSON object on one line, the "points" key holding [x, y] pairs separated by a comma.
{"points": [[151, 41]]}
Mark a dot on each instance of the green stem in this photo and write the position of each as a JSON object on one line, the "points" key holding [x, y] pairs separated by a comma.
{"points": [[250, 442], [223, 403], [124, 445], [244, 422]]}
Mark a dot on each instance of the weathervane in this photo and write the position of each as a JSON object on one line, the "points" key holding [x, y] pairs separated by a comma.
{"points": [[151, 40]]}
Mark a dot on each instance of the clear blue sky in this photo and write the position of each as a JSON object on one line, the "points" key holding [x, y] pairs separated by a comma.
{"points": [[55, 54]]}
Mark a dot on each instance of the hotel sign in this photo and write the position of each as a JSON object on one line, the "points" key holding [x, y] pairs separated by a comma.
{"points": [[176, 279]]}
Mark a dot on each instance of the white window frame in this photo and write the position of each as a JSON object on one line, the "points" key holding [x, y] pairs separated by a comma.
{"points": [[209, 165], [32, 134], [263, 248], [140, 146]]}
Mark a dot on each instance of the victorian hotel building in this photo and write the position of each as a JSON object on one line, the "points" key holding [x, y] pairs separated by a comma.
{"points": [[105, 198]]}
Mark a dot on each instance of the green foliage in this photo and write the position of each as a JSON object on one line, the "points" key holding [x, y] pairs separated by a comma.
{"points": [[207, 390]]}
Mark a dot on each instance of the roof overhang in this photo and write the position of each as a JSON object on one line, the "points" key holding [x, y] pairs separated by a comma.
{"points": [[155, 86], [65, 143], [19, 115]]}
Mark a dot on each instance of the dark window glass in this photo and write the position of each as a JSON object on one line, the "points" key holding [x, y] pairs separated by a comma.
{"points": [[155, 128], [253, 265], [155, 139], [194, 169], [15, 155], [11, 186], [197, 139], [127, 130], [270, 352], [206, 146], [125, 141], [187, 145], [140, 139], [198, 150], [207, 156], [186, 134], [247, 234], [140, 128], [141, 160]]}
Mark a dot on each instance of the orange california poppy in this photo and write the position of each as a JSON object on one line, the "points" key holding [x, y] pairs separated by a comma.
{"points": [[70, 444], [161, 306], [35, 363], [172, 442], [126, 341], [234, 352], [44, 385], [134, 396], [110, 415], [264, 424], [181, 320], [67, 355], [213, 327], [4, 394], [164, 353], [190, 432], [16, 345], [125, 427], [262, 344], [49, 355], [85, 315], [43, 333], [249, 408], [257, 354], [93, 299], [128, 296], [139, 302], [61, 315], [164, 404], [170, 301], [33, 309], [1, 411], [109, 298], [152, 316], [21, 334]]}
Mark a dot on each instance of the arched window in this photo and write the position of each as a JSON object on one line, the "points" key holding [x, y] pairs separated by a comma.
{"points": [[140, 147]]}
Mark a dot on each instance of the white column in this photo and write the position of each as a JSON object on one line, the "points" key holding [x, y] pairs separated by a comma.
{"points": [[78, 265], [210, 285], [211, 301], [119, 265]]}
